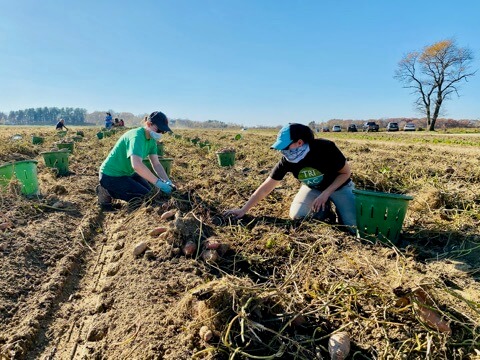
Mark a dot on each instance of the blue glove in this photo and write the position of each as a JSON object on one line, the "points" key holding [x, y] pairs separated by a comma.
{"points": [[163, 186], [168, 182]]}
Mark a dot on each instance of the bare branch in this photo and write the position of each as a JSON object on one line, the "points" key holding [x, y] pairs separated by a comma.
{"points": [[441, 68]]}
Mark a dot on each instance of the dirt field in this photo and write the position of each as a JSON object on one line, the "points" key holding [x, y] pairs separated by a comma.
{"points": [[72, 288]]}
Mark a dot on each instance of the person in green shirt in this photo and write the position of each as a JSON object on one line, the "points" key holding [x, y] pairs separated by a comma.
{"points": [[123, 175]]}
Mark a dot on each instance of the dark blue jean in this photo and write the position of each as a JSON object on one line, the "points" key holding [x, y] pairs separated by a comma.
{"points": [[125, 187]]}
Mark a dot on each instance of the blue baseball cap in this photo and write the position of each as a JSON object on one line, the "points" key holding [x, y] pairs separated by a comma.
{"points": [[291, 133], [283, 139]]}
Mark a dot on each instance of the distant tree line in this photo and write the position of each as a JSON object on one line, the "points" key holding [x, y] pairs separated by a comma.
{"points": [[79, 116], [44, 116]]}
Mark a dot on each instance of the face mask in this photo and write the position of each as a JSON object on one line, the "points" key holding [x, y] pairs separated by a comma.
{"points": [[297, 154], [155, 136]]}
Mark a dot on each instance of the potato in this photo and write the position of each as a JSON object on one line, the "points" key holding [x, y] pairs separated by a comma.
{"points": [[189, 248], [158, 231], [205, 333], [299, 320], [339, 346], [212, 244], [139, 248], [210, 255], [167, 215]]}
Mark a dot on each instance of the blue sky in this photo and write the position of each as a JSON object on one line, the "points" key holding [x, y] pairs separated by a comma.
{"points": [[262, 62]]}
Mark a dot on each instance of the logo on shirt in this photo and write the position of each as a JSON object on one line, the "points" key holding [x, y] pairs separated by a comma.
{"points": [[310, 176]]}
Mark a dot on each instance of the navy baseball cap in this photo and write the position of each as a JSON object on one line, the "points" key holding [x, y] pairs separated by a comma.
{"points": [[159, 120]]}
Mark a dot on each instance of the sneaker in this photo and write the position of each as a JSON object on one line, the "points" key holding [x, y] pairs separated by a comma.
{"points": [[104, 197]]}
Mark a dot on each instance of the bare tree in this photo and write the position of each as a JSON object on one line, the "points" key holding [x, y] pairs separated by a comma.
{"points": [[434, 74]]}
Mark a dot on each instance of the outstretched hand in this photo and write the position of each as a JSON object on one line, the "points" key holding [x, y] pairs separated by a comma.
{"points": [[168, 182], [164, 187], [236, 213], [319, 202]]}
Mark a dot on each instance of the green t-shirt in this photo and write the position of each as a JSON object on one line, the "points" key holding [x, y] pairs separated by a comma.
{"points": [[133, 142]]}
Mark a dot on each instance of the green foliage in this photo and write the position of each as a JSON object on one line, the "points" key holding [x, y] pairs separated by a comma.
{"points": [[270, 243]]}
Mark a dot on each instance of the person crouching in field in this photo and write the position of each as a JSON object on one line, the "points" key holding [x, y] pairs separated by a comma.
{"points": [[60, 125], [123, 175], [321, 168]]}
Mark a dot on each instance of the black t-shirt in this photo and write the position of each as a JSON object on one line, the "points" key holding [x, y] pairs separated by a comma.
{"points": [[318, 169]]}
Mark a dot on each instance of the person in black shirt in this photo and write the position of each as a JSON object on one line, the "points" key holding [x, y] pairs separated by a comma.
{"points": [[321, 168], [60, 125]]}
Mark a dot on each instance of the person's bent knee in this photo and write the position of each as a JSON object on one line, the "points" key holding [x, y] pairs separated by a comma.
{"points": [[296, 214], [296, 217]]}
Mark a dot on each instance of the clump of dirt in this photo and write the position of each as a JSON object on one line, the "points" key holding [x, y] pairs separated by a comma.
{"points": [[9, 158], [187, 228], [58, 190], [427, 200], [254, 316]]}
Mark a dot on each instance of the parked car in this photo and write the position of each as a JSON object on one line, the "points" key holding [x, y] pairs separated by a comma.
{"points": [[392, 126], [409, 127], [325, 129], [370, 126], [352, 128], [336, 128]]}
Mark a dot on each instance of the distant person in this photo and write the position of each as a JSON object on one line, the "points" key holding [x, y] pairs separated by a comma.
{"points": [[121, 123], [115, 122], [108, 121], [60, 125], [321, 168], [123, 175]]}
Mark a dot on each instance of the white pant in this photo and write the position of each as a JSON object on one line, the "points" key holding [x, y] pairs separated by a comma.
{"points": [[343, 199]]}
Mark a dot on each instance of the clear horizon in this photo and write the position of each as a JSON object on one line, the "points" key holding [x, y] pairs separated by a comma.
{"points": [[245, 62]]}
